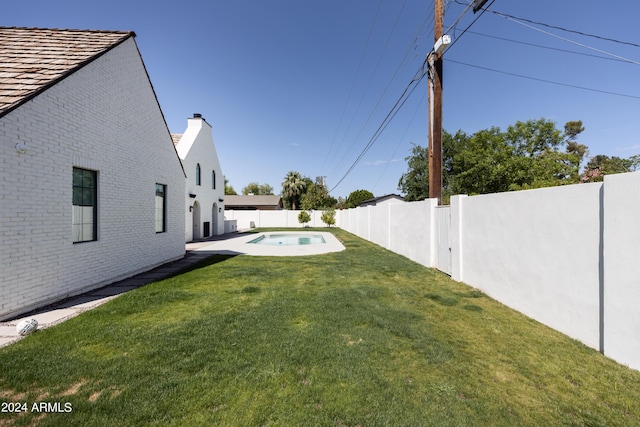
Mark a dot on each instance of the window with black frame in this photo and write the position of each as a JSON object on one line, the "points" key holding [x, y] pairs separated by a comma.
{"points": [[161, 208], [85, 205]]}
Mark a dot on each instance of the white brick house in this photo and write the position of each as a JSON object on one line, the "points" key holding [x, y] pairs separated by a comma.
{"points": [[204, 195], [91, 187]]}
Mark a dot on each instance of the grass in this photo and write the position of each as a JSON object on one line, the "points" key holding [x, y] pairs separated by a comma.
{"points": [[362, 337]]}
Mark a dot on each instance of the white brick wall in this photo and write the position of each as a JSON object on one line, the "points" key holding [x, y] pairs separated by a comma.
{"points": [[103, 117]]}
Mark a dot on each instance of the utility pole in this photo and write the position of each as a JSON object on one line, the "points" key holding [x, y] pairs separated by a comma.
{"points": [[434, 60], [435, 106]]}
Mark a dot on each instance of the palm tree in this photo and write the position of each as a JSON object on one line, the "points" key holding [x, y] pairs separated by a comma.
{"points": [[292, 187]]}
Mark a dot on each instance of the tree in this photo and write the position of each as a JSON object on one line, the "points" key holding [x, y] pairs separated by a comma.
{"points": [[601, 165], [257, 189], [357, 197], [228, 190], [580, 151], [304, 217], [317, 196], [292, 188], [414, 183], [329, 217], [573, 129], [527, 155]]}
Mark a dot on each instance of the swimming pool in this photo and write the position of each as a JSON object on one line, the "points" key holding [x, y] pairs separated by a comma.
{"points": [[237, 243], [280, 239]]}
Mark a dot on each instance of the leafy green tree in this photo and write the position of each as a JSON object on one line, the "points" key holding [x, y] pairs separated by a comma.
{"points": [[579, 151], [527, 155], [258, 189], [304, 217], [573, 129], [357, 197], [228, 189], [329, 217], [414, 183], [600, 165], [293, 187], [317, 196]]}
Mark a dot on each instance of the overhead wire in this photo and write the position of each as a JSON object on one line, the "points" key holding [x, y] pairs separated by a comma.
{"points": [[368, 85], [392, 113], [381, 98], [401, 100], [400, 140], [543, 80], [353, 83], [563, 29], [547, 47], [622, 58], [484, 9]]}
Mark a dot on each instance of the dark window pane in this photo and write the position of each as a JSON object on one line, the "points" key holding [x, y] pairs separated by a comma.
{"points": [[77, 177], [88, 180], [87, 196], [77, 196]]}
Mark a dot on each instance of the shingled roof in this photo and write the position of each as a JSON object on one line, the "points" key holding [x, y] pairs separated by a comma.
{"points": [[176, 137], [33, 59]]}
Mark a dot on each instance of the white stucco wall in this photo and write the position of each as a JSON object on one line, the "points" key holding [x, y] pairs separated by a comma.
{"points": [[622, 268], [268, 218], [94, 119], [537, 251], [411, 229], [197, 147], [379, 234]]}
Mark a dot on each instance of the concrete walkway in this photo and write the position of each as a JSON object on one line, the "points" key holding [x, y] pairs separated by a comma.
{"points": [[71, 307]]}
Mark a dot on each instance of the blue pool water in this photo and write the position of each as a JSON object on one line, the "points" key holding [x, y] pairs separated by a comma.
{"points": [[288, 239]]}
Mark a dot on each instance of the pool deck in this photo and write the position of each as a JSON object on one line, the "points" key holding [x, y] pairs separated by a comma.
{"points": [[237, 244]]}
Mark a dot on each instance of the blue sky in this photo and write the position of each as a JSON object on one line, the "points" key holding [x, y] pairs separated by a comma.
{"points": [[301, 85]]}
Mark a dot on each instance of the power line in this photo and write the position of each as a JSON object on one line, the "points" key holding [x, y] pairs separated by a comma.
{"points": [[547, 47], [355, 77], [400, 140], [573, 42], [368, 85], [392, 113], [412, 47], [544, 80], [504, 15], [484, 9]]}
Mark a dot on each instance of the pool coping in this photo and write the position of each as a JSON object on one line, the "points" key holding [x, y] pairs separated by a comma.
{"points": [[238, 245]]}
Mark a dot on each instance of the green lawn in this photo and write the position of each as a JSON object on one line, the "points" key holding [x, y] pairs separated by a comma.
{"points": [[362, 337]]}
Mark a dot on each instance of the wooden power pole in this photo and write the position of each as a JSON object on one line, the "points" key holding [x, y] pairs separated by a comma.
{"points": [[435, 108]]}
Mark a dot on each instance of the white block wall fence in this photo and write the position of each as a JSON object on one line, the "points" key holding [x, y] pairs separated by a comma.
{"points": [[568, 257]]}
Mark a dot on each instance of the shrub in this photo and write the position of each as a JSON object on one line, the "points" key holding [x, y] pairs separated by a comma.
{"points": [[329, 217], [304, 217]]}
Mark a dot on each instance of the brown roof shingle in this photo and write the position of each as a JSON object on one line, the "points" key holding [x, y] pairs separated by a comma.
{"points": [[176, 137], [33, 59]]}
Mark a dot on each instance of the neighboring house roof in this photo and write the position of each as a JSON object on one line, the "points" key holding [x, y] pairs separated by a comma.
{"points": [[252, 202], [376, 200], [34, 59], [176, 138]]}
